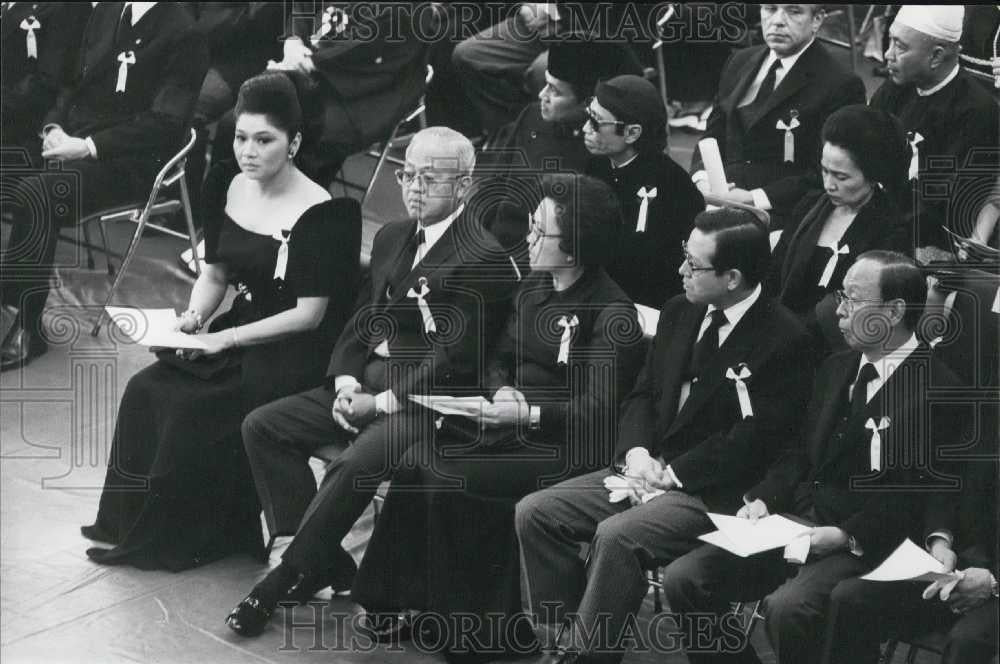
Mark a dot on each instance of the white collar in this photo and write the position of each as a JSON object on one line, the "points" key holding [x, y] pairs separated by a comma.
{"points": [[734, 312], [434, 232], [947, 79], [888, 364], [787, 61], [624, 163], [139, 10]]}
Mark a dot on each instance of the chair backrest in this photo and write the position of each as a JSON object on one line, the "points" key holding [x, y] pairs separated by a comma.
{"points": [[171, 172]]}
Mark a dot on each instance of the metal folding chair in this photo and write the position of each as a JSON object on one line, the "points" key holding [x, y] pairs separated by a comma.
{"points": [[171, 173], [737, 607]]}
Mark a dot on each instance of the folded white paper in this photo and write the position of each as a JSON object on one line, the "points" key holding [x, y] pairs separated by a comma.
{"points": [[712, 160], [470, 407], [909, 562], [153, 327], [619, 488], [744, 537]]}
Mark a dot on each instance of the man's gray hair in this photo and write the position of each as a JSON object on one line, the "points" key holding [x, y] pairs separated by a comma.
{"points": [[453, 149]]}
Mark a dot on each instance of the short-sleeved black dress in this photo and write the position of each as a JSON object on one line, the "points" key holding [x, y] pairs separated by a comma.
{"points": [[178, 491]]}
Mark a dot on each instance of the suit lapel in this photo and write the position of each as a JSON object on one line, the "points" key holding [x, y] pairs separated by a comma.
{"points": [[746, 76], [841, 376], [737, 348], [380, 277], [795, 80], [102, 28], [801, 245], [10, 26], [675, 359], [442, 256]]}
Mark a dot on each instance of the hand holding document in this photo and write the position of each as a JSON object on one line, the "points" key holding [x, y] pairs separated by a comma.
{"points": [[744, 537], [712, 159], [153, 327], [909, 562], [471, 407]]}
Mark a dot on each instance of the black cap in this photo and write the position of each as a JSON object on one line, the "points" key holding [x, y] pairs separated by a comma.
{"points": [[582, 62], [632, 99]]}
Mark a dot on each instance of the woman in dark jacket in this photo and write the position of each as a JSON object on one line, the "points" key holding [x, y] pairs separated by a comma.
{"points": [[445, 543], [864, 166]]}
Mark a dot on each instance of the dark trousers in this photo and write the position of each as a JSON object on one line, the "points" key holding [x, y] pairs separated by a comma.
{"points": [[624, 542], [700, 585], [280, 437], [499, 69], [863, 613], [41, 199]]}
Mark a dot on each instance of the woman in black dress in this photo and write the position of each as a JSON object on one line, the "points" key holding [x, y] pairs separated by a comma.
{"points": [[445, 542], [864, 166], [178, 491]]}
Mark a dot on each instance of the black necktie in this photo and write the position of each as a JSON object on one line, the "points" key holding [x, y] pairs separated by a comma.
{"points": [[767, 85], [708, 345], [859, 392], [405, 261]]}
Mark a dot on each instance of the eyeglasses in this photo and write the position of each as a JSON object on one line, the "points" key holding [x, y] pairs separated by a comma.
{"points": [[689, 264], [843, 298], [595, 122], [535, 232], [424, 178]]}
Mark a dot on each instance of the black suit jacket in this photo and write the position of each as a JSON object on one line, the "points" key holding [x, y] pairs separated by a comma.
{"points": [[714, 451], [471, 281], [31, 85], [149, 119], [241, 36], [828, 478], [753, 153]]}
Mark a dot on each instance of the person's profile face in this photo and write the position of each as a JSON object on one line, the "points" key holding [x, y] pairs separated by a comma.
{"points": [[261, 148], [430, 181], [544, 233], [701, 283], [862, 316], [601, 131], [788, 28], [908, 56], [843, 181], [557, 101]]}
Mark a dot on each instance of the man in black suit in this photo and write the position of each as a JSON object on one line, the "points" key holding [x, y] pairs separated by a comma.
{"points": [[792, 83], [721, 389], [960, 529], [625, 132], [438, 288], [38, 52], [140, 68], [952, 122], [859, 477]]}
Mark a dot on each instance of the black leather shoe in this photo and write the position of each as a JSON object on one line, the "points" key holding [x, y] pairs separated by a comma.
{"points": [[19, 348], [387, 627]]}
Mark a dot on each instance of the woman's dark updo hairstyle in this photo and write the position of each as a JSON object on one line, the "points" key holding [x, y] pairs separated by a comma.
{"points": [[876, 143], [588, 216], [274, 95]]}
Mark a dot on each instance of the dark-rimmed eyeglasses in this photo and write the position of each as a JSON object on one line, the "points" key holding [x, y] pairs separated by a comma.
{"points": [[595, 122], [842, 297], [689, 264], [536, 233], [424, 179]]}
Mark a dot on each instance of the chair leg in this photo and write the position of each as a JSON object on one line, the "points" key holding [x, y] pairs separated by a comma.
{"points": [[268, 547], [657, 596], [381, 160], [90, 250], [126, 261], [186, 203]]}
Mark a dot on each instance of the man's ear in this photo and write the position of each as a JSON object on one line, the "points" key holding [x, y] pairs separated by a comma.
{"points": [[897, 310], [632, 133], [735, 279], [937, 56]]}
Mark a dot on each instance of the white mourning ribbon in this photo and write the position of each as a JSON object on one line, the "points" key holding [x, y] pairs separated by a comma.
{"points": [[126, 58], [645, 195], [281, 264], [831, 265], [914, 139], [739, 377], [425, 309], [334, 19], [875, 448], [567, 324], [789, 136], [31, 24]]}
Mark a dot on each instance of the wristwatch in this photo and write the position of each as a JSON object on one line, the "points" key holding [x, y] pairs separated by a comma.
{"points": [[534, 418]]}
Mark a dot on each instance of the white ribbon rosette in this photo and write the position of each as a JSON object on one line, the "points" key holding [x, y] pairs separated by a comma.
{"points": [[645, 195], [425, 309], [875, 447], [126, 60], [568, 324], [281, 264], [793, 123], [831, 265], [29, 25], [739, 376], [915, 139]]}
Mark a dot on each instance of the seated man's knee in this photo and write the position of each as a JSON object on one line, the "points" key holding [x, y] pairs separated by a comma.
{"points": [[614, 530], [530, 512]]}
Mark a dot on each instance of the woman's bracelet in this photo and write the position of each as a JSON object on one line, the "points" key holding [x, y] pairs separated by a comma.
{"points": [[196, 315], [236, 337]]}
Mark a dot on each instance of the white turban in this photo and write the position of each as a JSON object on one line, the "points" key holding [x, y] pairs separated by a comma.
{"points": [[943, 22]]}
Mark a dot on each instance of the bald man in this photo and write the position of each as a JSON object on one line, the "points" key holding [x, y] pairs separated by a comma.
{"points": [[437, 286], [951, 120]]}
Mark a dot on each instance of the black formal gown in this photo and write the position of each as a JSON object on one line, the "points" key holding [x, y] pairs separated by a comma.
{"points": [[445, 539], [178, 491]]}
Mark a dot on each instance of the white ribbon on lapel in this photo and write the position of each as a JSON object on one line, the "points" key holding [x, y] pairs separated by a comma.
{"points": [[915, 139], [127, 59], [281, 264], [831, 265], [875, 448], [567, 323], [645, 195], [31, 24], [425, 309], [789, 136], [334, 19], [742, 392]]}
